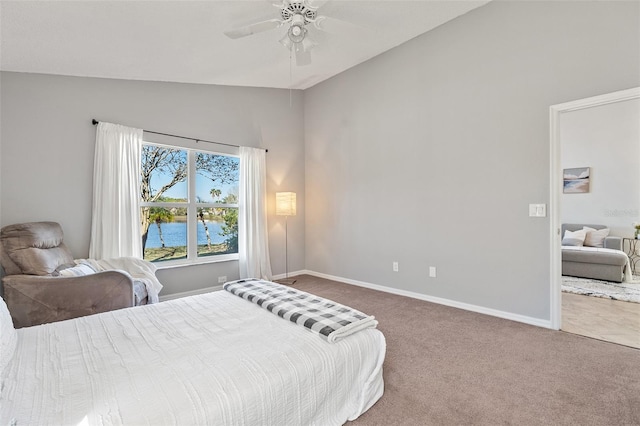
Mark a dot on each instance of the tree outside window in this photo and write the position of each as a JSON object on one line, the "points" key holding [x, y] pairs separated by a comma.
{"points": [[189, 204]]}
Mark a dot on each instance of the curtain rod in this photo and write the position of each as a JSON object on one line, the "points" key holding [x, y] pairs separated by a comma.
{"points": [[95, 123]]}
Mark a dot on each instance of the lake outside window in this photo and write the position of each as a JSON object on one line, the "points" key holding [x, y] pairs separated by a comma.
{"points": [[189, 205]]}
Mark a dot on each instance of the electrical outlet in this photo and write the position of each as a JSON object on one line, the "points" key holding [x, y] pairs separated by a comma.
{"points": [[395, 266], [432, 271], [222, 280]]}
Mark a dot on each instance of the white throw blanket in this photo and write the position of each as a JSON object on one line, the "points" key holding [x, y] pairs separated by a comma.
{"points": [[139, 269], [628, 276]]}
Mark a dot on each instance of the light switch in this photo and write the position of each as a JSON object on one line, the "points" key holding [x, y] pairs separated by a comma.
{"points": [[537, 210]]}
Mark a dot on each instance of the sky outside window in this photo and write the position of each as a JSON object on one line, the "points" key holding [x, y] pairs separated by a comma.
{"points": [[204, 185]]}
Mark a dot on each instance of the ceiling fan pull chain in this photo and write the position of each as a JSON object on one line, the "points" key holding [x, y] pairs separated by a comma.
{"points": [[290, 75]]}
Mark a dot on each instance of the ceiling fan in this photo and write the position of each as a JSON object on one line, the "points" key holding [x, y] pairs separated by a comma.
{"points": [[296, 14]]}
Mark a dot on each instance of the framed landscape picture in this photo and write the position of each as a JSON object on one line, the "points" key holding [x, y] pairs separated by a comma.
{"points": [[576, 181]]}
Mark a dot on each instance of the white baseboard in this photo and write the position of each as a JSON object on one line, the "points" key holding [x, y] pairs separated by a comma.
{"points": [[291, 274], [165, 297], [460, 305], [171, 296], [441, 301]]}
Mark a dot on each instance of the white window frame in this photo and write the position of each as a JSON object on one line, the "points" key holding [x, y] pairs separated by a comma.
{"points": [[192, 209]]}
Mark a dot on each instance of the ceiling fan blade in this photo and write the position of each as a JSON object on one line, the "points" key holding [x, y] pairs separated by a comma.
{"points": [[258, 27], [303, 56], [317, 3], [336, 26], [303, 51]]}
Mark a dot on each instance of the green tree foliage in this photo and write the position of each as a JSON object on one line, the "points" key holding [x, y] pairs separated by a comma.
{"points": [[230, 199], [230, 229], [160, 215], [215, 193], [230, 218]]}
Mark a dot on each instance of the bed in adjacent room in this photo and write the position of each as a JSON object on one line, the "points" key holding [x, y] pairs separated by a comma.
{"points": [[213, 359]]}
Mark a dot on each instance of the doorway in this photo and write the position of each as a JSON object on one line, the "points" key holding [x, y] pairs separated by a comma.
{"points": [[604, 208]]}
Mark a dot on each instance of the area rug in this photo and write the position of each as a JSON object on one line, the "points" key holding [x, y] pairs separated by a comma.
{"points": [[627, 292]]}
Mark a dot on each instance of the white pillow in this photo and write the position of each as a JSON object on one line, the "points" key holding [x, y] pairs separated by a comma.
{"points": [[575, 238], [77, 271], [595, 237], [8, 336]]}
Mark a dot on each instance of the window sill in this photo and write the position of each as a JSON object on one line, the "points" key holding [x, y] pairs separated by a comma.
{"points": [[204, 261]]}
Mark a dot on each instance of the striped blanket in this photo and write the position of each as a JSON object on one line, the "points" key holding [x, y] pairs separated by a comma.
{"points": [[330, 320]]}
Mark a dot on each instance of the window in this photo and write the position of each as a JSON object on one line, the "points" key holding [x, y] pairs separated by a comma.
{"points": [[188, 205]]}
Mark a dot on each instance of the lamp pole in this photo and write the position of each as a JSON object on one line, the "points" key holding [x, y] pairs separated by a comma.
{"points": [[286, 247], [286, 251], [286, 206]]}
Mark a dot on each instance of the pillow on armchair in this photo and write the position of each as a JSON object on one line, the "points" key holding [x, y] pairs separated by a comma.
{"points": [[79, 270]]}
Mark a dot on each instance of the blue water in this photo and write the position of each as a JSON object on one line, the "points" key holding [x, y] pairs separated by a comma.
{"points": [[175, 234]]}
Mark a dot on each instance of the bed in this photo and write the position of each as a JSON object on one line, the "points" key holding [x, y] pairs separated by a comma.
{"points": [[212, 359]]}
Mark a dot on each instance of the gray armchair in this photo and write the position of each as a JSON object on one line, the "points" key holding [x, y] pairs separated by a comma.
{"points": [[32, 255]]}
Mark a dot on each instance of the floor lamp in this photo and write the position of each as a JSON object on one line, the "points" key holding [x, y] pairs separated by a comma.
{"points": [[286, 206]]}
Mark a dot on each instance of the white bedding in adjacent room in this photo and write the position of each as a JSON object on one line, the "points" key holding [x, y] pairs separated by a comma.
{"points": [[212, 359]]}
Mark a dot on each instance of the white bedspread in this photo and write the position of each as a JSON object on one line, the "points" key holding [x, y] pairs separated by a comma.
{"points": [[212, 359]]}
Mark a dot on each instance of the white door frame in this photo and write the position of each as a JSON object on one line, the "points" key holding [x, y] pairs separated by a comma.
{"points": [[556, 112]]}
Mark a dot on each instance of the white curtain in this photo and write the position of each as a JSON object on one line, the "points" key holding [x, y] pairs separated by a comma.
{"points": [[253, 242], [115, 224]]}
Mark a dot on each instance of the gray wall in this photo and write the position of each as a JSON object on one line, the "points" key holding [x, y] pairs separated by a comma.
{"points": [[430, 153], [1, 291], [605, 138], [427, 155], [48, 146]]}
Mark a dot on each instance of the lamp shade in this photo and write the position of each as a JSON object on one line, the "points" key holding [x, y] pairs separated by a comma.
{"points": [[285, 203]]}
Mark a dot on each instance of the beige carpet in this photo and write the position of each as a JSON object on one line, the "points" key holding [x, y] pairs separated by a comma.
{"points": [[446, 366]]}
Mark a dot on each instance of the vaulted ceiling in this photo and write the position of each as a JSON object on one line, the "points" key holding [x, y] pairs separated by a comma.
{"points": [[184, 41]]}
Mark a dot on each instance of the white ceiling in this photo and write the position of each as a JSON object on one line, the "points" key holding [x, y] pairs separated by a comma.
{"points": [[183, 41]]}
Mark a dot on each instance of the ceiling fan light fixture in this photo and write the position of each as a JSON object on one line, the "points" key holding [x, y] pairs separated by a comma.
{"points": [[286, 41], [297, 30], [296, 33], [296, 15]]}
